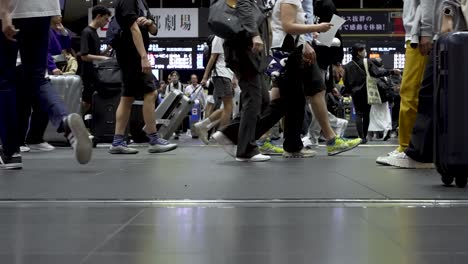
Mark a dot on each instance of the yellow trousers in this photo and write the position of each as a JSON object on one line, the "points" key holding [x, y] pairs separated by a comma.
{"points": [[415, 65]]}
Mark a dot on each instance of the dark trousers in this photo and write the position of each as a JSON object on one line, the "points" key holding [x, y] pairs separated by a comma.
{"points": [[290, 105], [242, 130], [396, 112], [362, 122], [32, 42], [32, 121], [421, 146], [362, 112]]}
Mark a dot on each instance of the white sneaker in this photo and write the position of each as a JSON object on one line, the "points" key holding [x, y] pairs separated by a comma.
{"points": [[307, 142], [226, 143], [342, 126], [401, 160], [202, 131], [24, 149], [44, 146], [256, 158], [383, 160]]}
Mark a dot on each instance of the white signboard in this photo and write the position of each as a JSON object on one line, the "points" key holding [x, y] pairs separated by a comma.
{"points": [[172, 22]]}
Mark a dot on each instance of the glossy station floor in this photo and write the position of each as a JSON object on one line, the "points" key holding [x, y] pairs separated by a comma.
{"points": [[196, 205]]}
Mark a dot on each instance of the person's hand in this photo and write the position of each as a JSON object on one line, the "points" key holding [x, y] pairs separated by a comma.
{"points": [[338, 72], [425, 45], [59, 27], [143, 21], [204, 81], [308, 54], [145, 65], [257, 44], [8, 28], [324, 27], [57, 72], [396, 72]]}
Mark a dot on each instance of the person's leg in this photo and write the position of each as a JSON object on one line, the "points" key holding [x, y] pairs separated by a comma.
{"points": [[8, 114], [23, 96], [251, 98], [156, 144], [360, 125], [365, 121], [319, 108], [415, 65], [421, 147], [37, 126], [33, 48]]}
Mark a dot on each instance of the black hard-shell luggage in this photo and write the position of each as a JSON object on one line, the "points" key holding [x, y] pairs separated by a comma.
{"points": [[103, 122], [451, 108]]}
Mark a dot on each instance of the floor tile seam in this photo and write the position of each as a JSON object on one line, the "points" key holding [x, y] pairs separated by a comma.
{"points": [[384, 234], [111, 235], [177, 203], [362, 185]]}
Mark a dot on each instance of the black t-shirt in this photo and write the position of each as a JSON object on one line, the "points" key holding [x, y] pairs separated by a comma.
{"points": [[90, 45], [126, 13]]}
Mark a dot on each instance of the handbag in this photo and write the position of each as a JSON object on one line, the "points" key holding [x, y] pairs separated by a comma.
{"points": [[224, 21], [279, 57], [108, 77], [373, 95]]}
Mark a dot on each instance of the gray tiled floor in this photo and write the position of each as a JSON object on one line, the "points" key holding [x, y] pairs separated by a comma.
{"points": [[198, 172], [99, 232], [236, 235]]}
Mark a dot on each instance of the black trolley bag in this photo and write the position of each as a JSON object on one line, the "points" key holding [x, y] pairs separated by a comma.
{"points": [[451, 108], [171, 112]]}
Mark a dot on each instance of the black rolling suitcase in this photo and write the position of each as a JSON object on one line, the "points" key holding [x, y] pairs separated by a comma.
{"points": [[451, 108], [103, 122]]}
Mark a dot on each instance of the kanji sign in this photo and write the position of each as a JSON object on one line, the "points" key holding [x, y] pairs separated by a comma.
{"points": [[369, 22], [171, 22]]}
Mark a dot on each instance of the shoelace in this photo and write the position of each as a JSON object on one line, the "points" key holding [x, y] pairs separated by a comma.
{"points": [[162, 141]]}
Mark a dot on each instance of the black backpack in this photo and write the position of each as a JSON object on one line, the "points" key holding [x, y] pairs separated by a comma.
{"points": [[207, 50]]}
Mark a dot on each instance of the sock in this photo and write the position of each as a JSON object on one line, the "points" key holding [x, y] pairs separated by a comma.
{"points": [[153, 138], [331, 141], [119, 140], [213, 124]]}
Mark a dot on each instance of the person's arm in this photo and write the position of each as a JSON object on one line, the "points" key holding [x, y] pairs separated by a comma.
{"points": [[377, 72], [51, 66], [84, 49], [308, 7], [426, 30], [91, 58], [290, 26], [209, 68], [140, 46]]}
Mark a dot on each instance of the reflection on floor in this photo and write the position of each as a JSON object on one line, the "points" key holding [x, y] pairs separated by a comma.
{"points": [[343, 209]]}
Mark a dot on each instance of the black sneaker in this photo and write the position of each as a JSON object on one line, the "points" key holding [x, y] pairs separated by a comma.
{"points": [[11, 163], [78, 136]]}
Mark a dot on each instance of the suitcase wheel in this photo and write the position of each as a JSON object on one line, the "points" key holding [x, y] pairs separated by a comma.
{"points": [[447, 180], [461, 182]]}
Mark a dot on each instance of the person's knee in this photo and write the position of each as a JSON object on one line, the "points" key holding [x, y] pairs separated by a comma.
{"points": [[126, 102], [150, 96]]}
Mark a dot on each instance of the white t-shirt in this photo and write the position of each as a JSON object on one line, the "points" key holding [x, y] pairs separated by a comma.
{"points": [[35, 8], [221, 69], [277, 26]]}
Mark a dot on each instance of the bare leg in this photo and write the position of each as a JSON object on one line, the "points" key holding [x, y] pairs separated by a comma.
{"points": [[123, 114], [319, 107], [148, 113]]}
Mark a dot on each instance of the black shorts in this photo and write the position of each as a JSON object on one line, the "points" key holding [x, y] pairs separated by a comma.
{"points": [[312, 80], [222, 87], [135, 82]]}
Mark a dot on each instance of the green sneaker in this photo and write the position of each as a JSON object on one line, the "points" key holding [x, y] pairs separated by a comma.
{"points": [[269, 149], [342, 145]]}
